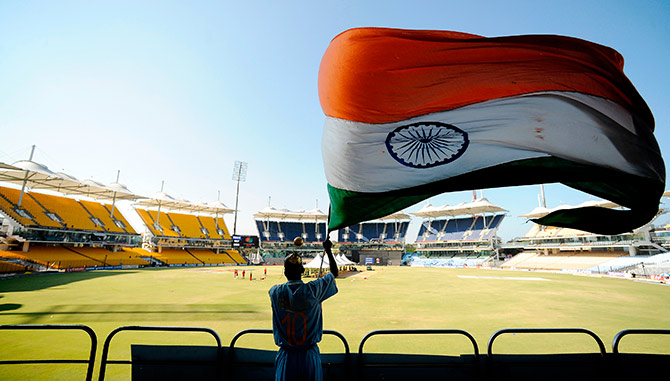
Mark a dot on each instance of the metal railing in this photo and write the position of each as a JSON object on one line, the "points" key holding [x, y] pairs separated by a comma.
{"points": [[346, 364], [269, 331], [105, 350], [51, 327], [362, 365], [626, 332], [595, 337]]}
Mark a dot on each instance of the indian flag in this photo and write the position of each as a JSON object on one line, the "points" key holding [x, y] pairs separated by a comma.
{"points": [[411, 114]]}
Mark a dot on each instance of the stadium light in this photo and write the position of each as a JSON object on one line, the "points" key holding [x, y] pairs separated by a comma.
{"points": [[239, 174]]}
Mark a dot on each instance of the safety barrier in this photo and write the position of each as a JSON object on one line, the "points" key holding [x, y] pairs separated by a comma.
{"points": [[632, 365], [236, 363], [105, 350], [403, 367], [91, 358], [555, 366]]}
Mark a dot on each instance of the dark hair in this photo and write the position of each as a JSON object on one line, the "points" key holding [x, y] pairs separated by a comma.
{"points": [[293, 268]]}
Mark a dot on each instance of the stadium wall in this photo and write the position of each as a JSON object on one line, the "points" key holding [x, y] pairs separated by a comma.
{"points": [[376, 257]]}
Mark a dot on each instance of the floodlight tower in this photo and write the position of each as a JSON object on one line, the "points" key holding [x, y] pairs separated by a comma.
{"points": [[239, 174]]}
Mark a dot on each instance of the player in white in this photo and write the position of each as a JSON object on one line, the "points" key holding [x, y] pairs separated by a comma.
{"points": [[297, 320]]}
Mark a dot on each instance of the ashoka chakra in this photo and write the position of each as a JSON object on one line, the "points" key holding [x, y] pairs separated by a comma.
{"points": [[426, 144]]}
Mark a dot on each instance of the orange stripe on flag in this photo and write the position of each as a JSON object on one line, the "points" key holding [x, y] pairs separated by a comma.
{"points": [[377, 75]]}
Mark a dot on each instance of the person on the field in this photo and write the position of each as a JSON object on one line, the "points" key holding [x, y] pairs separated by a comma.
{"points": [[297, 322]]}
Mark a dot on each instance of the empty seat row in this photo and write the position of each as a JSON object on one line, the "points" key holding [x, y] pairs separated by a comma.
{"points": [[285, 231], [59, 212], [180, 225], [474, 228]]}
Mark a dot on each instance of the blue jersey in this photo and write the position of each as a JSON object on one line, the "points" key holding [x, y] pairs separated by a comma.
{"points": [[298, 325], [296, 311]]}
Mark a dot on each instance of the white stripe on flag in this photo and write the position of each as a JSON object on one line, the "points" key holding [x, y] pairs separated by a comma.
{"points": [[572, 126]]}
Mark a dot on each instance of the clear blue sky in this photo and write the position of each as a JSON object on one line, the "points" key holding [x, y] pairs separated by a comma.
{"points": [[177, 91]]}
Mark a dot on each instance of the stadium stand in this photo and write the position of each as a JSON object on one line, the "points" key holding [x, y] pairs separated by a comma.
{"points": [[17, 258], [640, 264], [148, 221], [236, 256], [216, 228], [189, 225], [11, 267], [102, 212], [566, 261], [164, 224], [469, 260], [280, 231], [30, 213], [180, 225], [178, 257], [109, 258], [61, 257], [41, 210], [211, 257], [186, 239], [69, 211], [457, 236], [473, 228], [555, 248], [197, 257], [380, 231], [376, 242], [277, 228]]}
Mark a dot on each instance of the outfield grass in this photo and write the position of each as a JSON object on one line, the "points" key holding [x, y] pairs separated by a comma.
{"points": [[478, 301]]}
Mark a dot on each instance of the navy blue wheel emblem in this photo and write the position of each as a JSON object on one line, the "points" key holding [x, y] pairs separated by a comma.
{"points": [[426, 144]]}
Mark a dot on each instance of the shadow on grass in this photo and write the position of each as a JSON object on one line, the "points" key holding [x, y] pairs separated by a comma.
{"points": [[133, 312], [42, 281], [9, 306]]}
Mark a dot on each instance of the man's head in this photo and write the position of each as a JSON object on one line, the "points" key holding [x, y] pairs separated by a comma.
{"points": [[293, 268]]}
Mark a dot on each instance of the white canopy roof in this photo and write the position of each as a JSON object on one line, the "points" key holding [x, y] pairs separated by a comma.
{"points": [[481, 205], [396, 216], [164, 200], [35, 175], [284, 214], [94, 189], [38, 176], [542, 211]]}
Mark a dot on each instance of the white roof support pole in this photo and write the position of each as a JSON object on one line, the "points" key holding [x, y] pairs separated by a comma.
{"points": [[25, 179], [118, 173], [158, 216]]}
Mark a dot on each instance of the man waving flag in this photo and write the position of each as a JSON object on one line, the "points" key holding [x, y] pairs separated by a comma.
{"points": [[412, 114]]}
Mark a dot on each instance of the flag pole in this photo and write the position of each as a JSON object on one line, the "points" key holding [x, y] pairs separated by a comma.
{"points": [[327, 237]]}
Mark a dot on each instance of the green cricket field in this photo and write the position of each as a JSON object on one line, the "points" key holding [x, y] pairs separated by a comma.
{"points": [[478, 301]]}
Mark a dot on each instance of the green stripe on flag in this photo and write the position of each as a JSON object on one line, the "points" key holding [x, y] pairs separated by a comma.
{"points": [[640, 194]]}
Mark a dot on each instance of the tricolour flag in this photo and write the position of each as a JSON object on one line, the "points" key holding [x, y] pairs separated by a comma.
{"points": [[412, 114]]}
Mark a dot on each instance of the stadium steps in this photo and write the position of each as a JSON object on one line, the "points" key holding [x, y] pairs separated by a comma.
{"points": [[9, 217], [179, 234], [518, 259], [91, 216], [203, 227], [34, 266], [125, 228], [11, 206], [45, 210], [154, 260]]}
